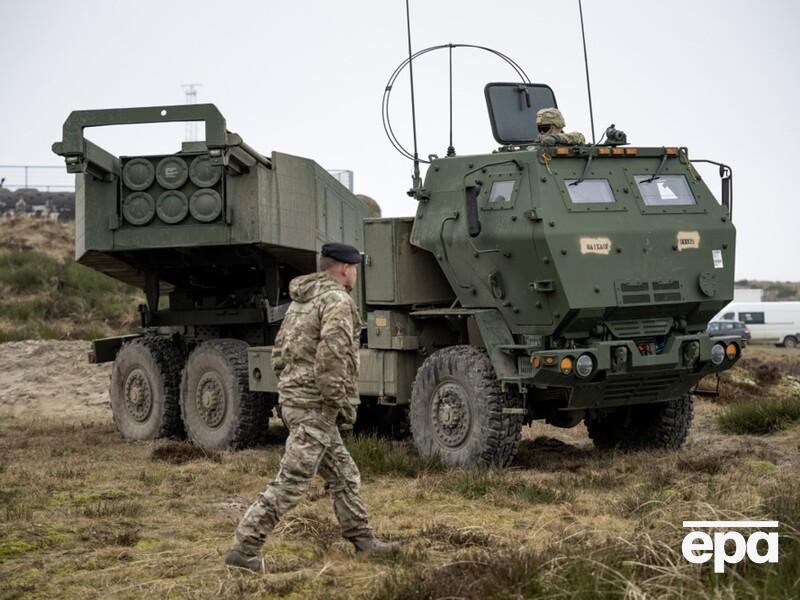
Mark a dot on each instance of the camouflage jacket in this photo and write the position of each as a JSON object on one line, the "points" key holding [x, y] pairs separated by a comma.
{"points": [[570, 138], [315, 355]]}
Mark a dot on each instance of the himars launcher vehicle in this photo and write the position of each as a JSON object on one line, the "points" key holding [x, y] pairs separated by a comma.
{"points": [[565, 283]]}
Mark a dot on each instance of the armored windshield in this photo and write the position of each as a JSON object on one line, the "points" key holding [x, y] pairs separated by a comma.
{"points": [[589, 191], [665, 190]]}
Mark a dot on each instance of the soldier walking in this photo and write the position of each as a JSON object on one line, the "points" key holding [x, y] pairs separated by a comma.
{"points": [[315, 358]]}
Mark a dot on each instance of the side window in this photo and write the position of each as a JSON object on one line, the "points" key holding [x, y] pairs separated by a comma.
{"points": [[749, 318], [501, 191], [497, 189], [729, 315], [713, 326], [727, 325]]}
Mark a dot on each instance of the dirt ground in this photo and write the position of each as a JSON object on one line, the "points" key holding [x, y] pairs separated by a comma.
{"points": [[52, 379], [84, 514]]}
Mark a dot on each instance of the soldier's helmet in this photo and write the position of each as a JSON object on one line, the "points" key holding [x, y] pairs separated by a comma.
{"points": [[550, 116]]}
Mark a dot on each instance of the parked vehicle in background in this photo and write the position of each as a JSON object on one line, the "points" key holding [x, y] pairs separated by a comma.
{"points": [[720, 328], [777, 322]]}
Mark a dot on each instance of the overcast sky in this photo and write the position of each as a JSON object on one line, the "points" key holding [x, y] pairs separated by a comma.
{"points": [[307, 76]]}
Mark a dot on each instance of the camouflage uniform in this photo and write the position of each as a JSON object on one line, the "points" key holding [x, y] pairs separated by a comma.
{"points": [[553, 116], [570, 138], [315, 357]]}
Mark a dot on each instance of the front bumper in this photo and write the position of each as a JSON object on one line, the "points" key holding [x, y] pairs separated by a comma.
{"points": [[638, 379]]}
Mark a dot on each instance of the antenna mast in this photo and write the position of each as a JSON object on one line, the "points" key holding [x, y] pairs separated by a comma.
{"points": [[586, 65], [417, 182], [190, 91]]}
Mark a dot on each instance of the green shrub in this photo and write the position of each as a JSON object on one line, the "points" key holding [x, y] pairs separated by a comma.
{"points": [[760, 417], [46, 299], [376, 456], [83, 279], [25, 271]]}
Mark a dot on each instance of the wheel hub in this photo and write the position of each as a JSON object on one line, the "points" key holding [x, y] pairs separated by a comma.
{"points": [[451, 414], [210, 400], [138, 395]]}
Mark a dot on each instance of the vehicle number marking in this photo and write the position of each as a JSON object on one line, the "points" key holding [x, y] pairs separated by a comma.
{"points": [[688, 240], [599, 245]]}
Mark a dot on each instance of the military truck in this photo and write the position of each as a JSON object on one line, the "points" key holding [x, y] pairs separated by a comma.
{"points": [[565, 283]]}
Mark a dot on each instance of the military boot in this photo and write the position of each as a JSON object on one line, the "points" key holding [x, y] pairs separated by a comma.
{"points": [[235, 558], [373, 545]]}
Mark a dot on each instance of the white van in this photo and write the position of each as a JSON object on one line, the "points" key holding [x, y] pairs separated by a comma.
{"points": [[777, 322]]}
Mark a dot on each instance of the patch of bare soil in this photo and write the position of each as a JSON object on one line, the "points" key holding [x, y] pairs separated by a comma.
{"points": [[48, 378]]}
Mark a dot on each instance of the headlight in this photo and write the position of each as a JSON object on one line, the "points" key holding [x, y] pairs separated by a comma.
{"points": [[717, 353], [584, 365]]}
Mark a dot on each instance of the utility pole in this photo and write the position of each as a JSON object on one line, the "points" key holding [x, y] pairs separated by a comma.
{"points": [[190, 91]]}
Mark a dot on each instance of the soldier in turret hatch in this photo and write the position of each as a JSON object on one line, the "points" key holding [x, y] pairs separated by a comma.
{"points": [[550, 123]]}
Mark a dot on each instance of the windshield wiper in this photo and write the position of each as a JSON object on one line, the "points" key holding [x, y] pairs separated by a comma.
{"points": [[660, 168], [588, 161]]}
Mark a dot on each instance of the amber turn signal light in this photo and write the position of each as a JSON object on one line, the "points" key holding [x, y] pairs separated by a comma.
{"points": [[566, 365]]}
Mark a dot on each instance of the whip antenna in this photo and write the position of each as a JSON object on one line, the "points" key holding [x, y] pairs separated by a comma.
{"points": [[416, 179], [451, 151], [586, 64]]}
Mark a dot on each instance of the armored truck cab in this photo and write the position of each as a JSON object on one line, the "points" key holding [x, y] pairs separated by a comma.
{"points": [[582, 279]]}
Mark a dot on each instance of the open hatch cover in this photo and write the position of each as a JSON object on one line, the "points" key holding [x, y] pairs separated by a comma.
{"points": [[513, 107]]}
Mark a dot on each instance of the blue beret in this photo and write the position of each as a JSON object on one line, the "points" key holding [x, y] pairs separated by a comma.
{"points": [[342, 252]]}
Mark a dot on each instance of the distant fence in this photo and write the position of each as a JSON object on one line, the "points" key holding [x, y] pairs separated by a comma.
{"points": [[45, 178]]}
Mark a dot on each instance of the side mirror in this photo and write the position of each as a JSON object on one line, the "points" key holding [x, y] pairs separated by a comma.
{"points": [[726, 175]]}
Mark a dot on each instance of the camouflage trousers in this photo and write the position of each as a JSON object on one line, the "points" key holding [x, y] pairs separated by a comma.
{"points": [[314, 446]]}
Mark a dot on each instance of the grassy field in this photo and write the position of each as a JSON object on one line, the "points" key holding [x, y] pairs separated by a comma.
{"points": [[86, 515], [45, 294]]}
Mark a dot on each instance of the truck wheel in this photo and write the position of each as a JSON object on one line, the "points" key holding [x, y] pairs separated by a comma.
{"points": [[645, 426], [219, 411], [457, 410], [790, 342], [145, 384]]}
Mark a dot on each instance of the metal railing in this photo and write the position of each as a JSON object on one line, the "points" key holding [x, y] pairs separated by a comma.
{"points": [[45, 178]]}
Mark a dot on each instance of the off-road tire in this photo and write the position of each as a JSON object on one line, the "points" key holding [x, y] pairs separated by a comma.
{"points": [[457, 407], [390, 422], [790, 342], [664, 425], [145, 387], [218, 409]]}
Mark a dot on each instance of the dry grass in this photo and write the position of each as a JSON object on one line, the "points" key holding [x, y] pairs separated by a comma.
{"points": [[84, 512], [85, 515]]}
